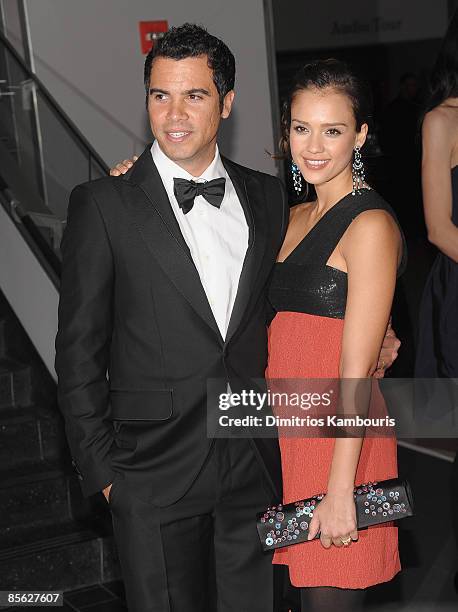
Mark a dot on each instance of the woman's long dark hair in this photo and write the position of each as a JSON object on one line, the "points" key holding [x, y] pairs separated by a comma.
{"points": [[444, 77]]}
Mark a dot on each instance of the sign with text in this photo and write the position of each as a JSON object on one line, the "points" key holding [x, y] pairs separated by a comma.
{"points": [[332, 24], [150, 31]]}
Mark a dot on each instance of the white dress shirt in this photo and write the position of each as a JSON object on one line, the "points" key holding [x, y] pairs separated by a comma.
{"points": [[216, 237]]}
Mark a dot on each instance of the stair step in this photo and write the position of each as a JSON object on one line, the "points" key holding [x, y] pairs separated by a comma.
{"points": [[51, 538], [16, 348], [29, 435], [14, 342], [15, 384], [35, 493], [3, 335], [63, 556], [35, 538]]}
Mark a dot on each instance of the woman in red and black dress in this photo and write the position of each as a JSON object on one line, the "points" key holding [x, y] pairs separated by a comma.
{"points": [[332, 289]]}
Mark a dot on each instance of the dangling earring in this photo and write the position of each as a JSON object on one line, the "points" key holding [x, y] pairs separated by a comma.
{"points": [[297, 178], [358, 172]]}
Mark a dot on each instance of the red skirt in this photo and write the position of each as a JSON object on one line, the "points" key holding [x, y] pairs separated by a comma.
{"points": [[308, 346]]}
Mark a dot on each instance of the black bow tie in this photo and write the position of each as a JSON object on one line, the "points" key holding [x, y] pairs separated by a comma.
{"points": [[185, 192]]}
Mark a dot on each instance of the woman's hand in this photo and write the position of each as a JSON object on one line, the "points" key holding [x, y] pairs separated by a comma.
{"points": [[335, 519], [123, 166]]}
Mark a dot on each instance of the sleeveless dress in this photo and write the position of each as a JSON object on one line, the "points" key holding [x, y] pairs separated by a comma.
{"points": [[305, 339], [437, 352]]}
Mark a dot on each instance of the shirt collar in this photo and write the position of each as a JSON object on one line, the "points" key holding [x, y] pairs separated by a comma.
{"points": [[169, 170]]}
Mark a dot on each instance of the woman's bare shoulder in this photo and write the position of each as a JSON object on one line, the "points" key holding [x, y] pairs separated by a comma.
{"points": [[373, 225], [442, 117], [440, 134]]}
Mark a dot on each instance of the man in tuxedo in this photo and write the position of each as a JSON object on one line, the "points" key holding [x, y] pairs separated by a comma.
{"points": [[163, 287]]}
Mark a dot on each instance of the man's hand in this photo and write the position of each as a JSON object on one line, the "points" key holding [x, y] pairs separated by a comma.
{"points": [[106, 492], [123, 166], [389, 352]]}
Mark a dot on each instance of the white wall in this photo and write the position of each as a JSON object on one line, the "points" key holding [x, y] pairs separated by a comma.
{"points": [[88, 55]]}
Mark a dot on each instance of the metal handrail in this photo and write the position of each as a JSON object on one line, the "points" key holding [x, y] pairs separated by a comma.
{"points": [[53, 104], [90, 102]]}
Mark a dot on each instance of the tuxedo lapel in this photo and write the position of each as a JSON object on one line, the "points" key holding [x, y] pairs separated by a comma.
{"points": [[250, 196], [152, 214]]}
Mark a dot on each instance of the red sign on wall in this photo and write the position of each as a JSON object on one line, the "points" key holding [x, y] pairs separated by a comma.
{"points": [[150, 31]]}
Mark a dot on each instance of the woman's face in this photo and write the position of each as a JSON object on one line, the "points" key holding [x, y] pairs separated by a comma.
{"points": [[323, 134]]}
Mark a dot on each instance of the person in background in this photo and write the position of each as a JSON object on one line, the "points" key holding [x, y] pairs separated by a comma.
{"points": [[437, 351]]}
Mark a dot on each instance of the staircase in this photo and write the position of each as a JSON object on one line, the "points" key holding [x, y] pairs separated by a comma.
{"points": [[50, 537]]}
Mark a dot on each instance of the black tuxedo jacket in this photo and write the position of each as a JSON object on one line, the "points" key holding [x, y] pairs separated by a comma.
{"points": [[137, 339]]}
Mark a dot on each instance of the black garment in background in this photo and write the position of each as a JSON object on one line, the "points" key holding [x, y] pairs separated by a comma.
{"points": [[437, 353]]}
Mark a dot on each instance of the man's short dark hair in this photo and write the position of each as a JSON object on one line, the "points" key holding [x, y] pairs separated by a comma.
{"points": [[191, 40]]}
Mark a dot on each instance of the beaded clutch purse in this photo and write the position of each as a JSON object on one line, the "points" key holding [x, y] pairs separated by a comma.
{"points": [[376, 502]]}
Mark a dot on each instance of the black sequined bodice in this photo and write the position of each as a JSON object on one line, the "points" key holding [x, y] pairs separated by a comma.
{"points": [[303, 282]]}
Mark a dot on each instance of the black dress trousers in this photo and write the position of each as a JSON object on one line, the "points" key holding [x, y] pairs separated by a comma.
{"points": [[202, 553]]}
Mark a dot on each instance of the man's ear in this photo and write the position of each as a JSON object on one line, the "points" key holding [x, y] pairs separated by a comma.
{"points": [[227, 104]]}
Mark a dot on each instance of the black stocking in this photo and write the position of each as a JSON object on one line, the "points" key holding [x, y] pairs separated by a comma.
{"points": [[324, 599]]}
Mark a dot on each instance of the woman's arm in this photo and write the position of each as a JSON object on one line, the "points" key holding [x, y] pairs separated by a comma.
{"points": [[438, 140], [371, 248]]}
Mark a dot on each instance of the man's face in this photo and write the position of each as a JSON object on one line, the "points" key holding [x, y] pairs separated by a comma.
{"points": [[184, 110]]}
